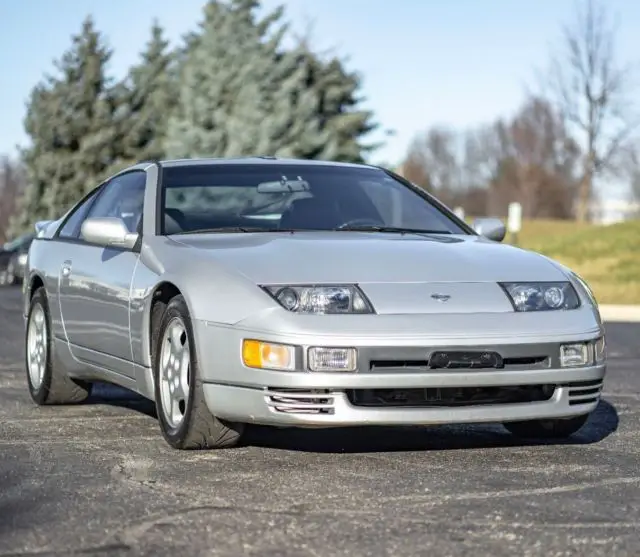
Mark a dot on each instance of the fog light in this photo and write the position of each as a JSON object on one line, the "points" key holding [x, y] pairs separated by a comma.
{"points": [[267, 355], [599, 349], [332, 359], [572, 355]]}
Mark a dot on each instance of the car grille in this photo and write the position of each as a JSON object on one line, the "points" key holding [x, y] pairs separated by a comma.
{"points": [[449, 396], [300, 401], [322, 401]]}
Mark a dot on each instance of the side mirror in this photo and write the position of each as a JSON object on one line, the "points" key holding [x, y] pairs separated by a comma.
{"points": [[108, 232], [493, 229], [41, 226]]}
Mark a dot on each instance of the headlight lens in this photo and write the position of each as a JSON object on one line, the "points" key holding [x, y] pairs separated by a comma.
{"points": [[333, 299], [541, 296], [22, 259]]}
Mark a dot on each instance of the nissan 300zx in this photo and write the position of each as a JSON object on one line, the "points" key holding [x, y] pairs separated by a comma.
{"points": [[303, 294]]}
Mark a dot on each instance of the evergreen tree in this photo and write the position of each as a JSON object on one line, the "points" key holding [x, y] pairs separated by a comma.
{"points": [[70, 123], [197, 127], [258, 79], [338, 110], [91, 103], [293, 125], [241, 93], [150, 95], [42, 159], [228, 84]]}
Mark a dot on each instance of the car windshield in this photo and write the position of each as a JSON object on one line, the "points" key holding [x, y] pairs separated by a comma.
{"points": [[287, 197]]}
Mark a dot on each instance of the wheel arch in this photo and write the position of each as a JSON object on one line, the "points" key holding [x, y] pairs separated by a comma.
{"points": [[29, 289], [161, 294], [35, 282]]}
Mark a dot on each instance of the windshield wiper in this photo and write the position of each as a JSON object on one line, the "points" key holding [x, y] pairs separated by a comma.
{"points": [[391, 229], [232, 229], [224, 229], [354, 228]]}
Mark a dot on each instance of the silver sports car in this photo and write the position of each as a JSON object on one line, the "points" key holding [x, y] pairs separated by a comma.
{"points": [[306, 294]]}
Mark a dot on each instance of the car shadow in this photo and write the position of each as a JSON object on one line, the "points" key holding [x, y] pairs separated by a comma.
{"points": [[602, 423], [119, 397]]}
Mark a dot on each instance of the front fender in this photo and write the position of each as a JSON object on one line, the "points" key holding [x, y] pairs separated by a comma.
{"points": [[212, 292]]}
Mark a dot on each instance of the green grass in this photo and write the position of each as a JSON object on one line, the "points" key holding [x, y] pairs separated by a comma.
{"points": [[607, 257]]}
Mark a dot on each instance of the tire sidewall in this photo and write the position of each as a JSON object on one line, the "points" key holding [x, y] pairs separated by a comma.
{"points": [[39, 395], [177, 307]]}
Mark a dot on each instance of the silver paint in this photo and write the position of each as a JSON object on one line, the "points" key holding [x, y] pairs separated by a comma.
{"points": [[100, 300]]}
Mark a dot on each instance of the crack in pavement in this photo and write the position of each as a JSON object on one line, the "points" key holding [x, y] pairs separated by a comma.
{"points": [[515, 492]]}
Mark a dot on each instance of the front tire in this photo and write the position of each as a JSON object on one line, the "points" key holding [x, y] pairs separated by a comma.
{"points": [[48, 381], [561, 428], [185, 420]]}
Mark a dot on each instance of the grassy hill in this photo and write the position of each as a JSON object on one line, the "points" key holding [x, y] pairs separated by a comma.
{"points": [[607, 257]]}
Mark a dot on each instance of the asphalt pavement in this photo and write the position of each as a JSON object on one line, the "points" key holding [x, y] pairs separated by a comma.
{"points": [[99, 479]]}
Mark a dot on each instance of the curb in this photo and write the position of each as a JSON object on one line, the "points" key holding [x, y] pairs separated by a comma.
{"points": [[620, 314]]}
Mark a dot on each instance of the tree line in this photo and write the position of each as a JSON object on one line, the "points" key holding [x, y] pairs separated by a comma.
{"points": [[229, 89], [577, 127]]}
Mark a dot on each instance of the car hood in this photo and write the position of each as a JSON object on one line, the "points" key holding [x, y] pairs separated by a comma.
{"points": [[397, 272]]}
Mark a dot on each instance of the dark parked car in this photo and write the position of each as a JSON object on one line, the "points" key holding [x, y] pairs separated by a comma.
{"points": [[13, 256]]}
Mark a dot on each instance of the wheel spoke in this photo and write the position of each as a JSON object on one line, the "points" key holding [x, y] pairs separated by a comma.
{"points": [[37, 346], [174, 372], [39, 320], [175, 410], [176, 337], [185, 365]]}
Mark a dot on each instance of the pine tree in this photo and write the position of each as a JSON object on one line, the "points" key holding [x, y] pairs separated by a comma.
{"points": [[226, 77], [258, 79], [339, 111], [91, 103], [42, 159], [70, 123], [150, 95], [197, 126], [293, 123]]}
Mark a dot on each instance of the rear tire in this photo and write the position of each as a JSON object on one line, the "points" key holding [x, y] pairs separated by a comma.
{"points": [[560, 428], [10, 277], [185, 420], [49, 382]]}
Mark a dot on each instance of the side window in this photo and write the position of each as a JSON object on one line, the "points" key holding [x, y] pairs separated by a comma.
{"points": [[71, 228], [123, 197]]}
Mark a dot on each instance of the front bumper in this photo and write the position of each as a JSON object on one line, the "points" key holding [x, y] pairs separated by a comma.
{"points": [[532, 384], [333, 407]]}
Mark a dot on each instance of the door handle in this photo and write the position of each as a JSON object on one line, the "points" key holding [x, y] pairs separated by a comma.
{"points": [[66, 268]]}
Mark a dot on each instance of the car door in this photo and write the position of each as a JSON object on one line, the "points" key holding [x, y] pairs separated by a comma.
{"points": [[95, 281]]}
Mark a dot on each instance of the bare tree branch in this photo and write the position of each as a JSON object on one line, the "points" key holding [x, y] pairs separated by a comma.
{"points": [[590, 89]]}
